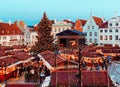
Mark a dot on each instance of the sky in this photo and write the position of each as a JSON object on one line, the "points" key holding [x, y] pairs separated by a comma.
{"points": [[31, 11]]}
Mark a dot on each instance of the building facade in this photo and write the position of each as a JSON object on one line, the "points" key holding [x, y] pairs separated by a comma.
{"points": [[79, 24], [10, 35], [59, 26], [91, 29], [33, 35], [109, 32], [25, 29]]}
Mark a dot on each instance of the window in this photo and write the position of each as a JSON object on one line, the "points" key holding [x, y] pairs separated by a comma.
{"points": [[101, 30], [110, 37], [101, 43], [95, 40], [92, 27], [90, 33], [88, 27], [110, 30], [59, 29], [90, 40], [90, 20], [95, 33], [55, 29], [101, 37], [4, 38], [116, 24], [106, 37], [4, 42], [116, 37], [63, 29], [116, 30], [110, 24], [105, 30], [32, 37], [86, 33], [86, 40]]}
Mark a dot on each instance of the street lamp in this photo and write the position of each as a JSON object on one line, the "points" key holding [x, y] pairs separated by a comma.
{"points": [[5, 68], [55, 53], [80, 68]]}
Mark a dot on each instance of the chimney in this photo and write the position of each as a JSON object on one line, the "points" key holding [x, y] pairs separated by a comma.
{"points": [[10, 22], [103, 19], [55, 21], [1, 21], [115, 14], [69, 19]]}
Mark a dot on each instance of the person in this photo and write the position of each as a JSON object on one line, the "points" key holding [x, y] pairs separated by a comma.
{"points": [[42, 73], [97, 67]]}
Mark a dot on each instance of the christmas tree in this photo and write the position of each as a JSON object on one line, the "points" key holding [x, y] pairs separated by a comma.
{"points": [[45, 39]]}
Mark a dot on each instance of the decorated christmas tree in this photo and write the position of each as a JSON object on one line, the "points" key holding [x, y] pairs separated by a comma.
{"points": [[45, 39]]}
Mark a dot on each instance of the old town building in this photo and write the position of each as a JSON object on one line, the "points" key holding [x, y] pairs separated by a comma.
{"points": [[91, 29], [25, 29], [59, 26], [10, 34], [109, 32], [79, 24]]}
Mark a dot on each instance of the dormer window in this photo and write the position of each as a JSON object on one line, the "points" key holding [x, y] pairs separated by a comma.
{"points": [[92, 27], [2, 32], [110, 24]]}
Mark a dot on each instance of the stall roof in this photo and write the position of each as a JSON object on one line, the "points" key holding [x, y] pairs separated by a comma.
{"points": [[71, 33]]}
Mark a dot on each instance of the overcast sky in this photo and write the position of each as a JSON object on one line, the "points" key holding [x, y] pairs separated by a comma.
{"points": [[31, 11]]}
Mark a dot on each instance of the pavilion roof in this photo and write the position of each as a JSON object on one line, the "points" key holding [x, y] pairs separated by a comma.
{"points": [[71, 33]]}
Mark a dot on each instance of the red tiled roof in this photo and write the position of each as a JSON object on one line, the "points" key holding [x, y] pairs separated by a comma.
{"points": [[104, 25], [98, 20], [50, 57], [83, 22], [36, 28], [73, 24], [89, 78], [7, 29], [22, 85], [69, 22], [8, 60], [22, 24], [21, 55]]}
